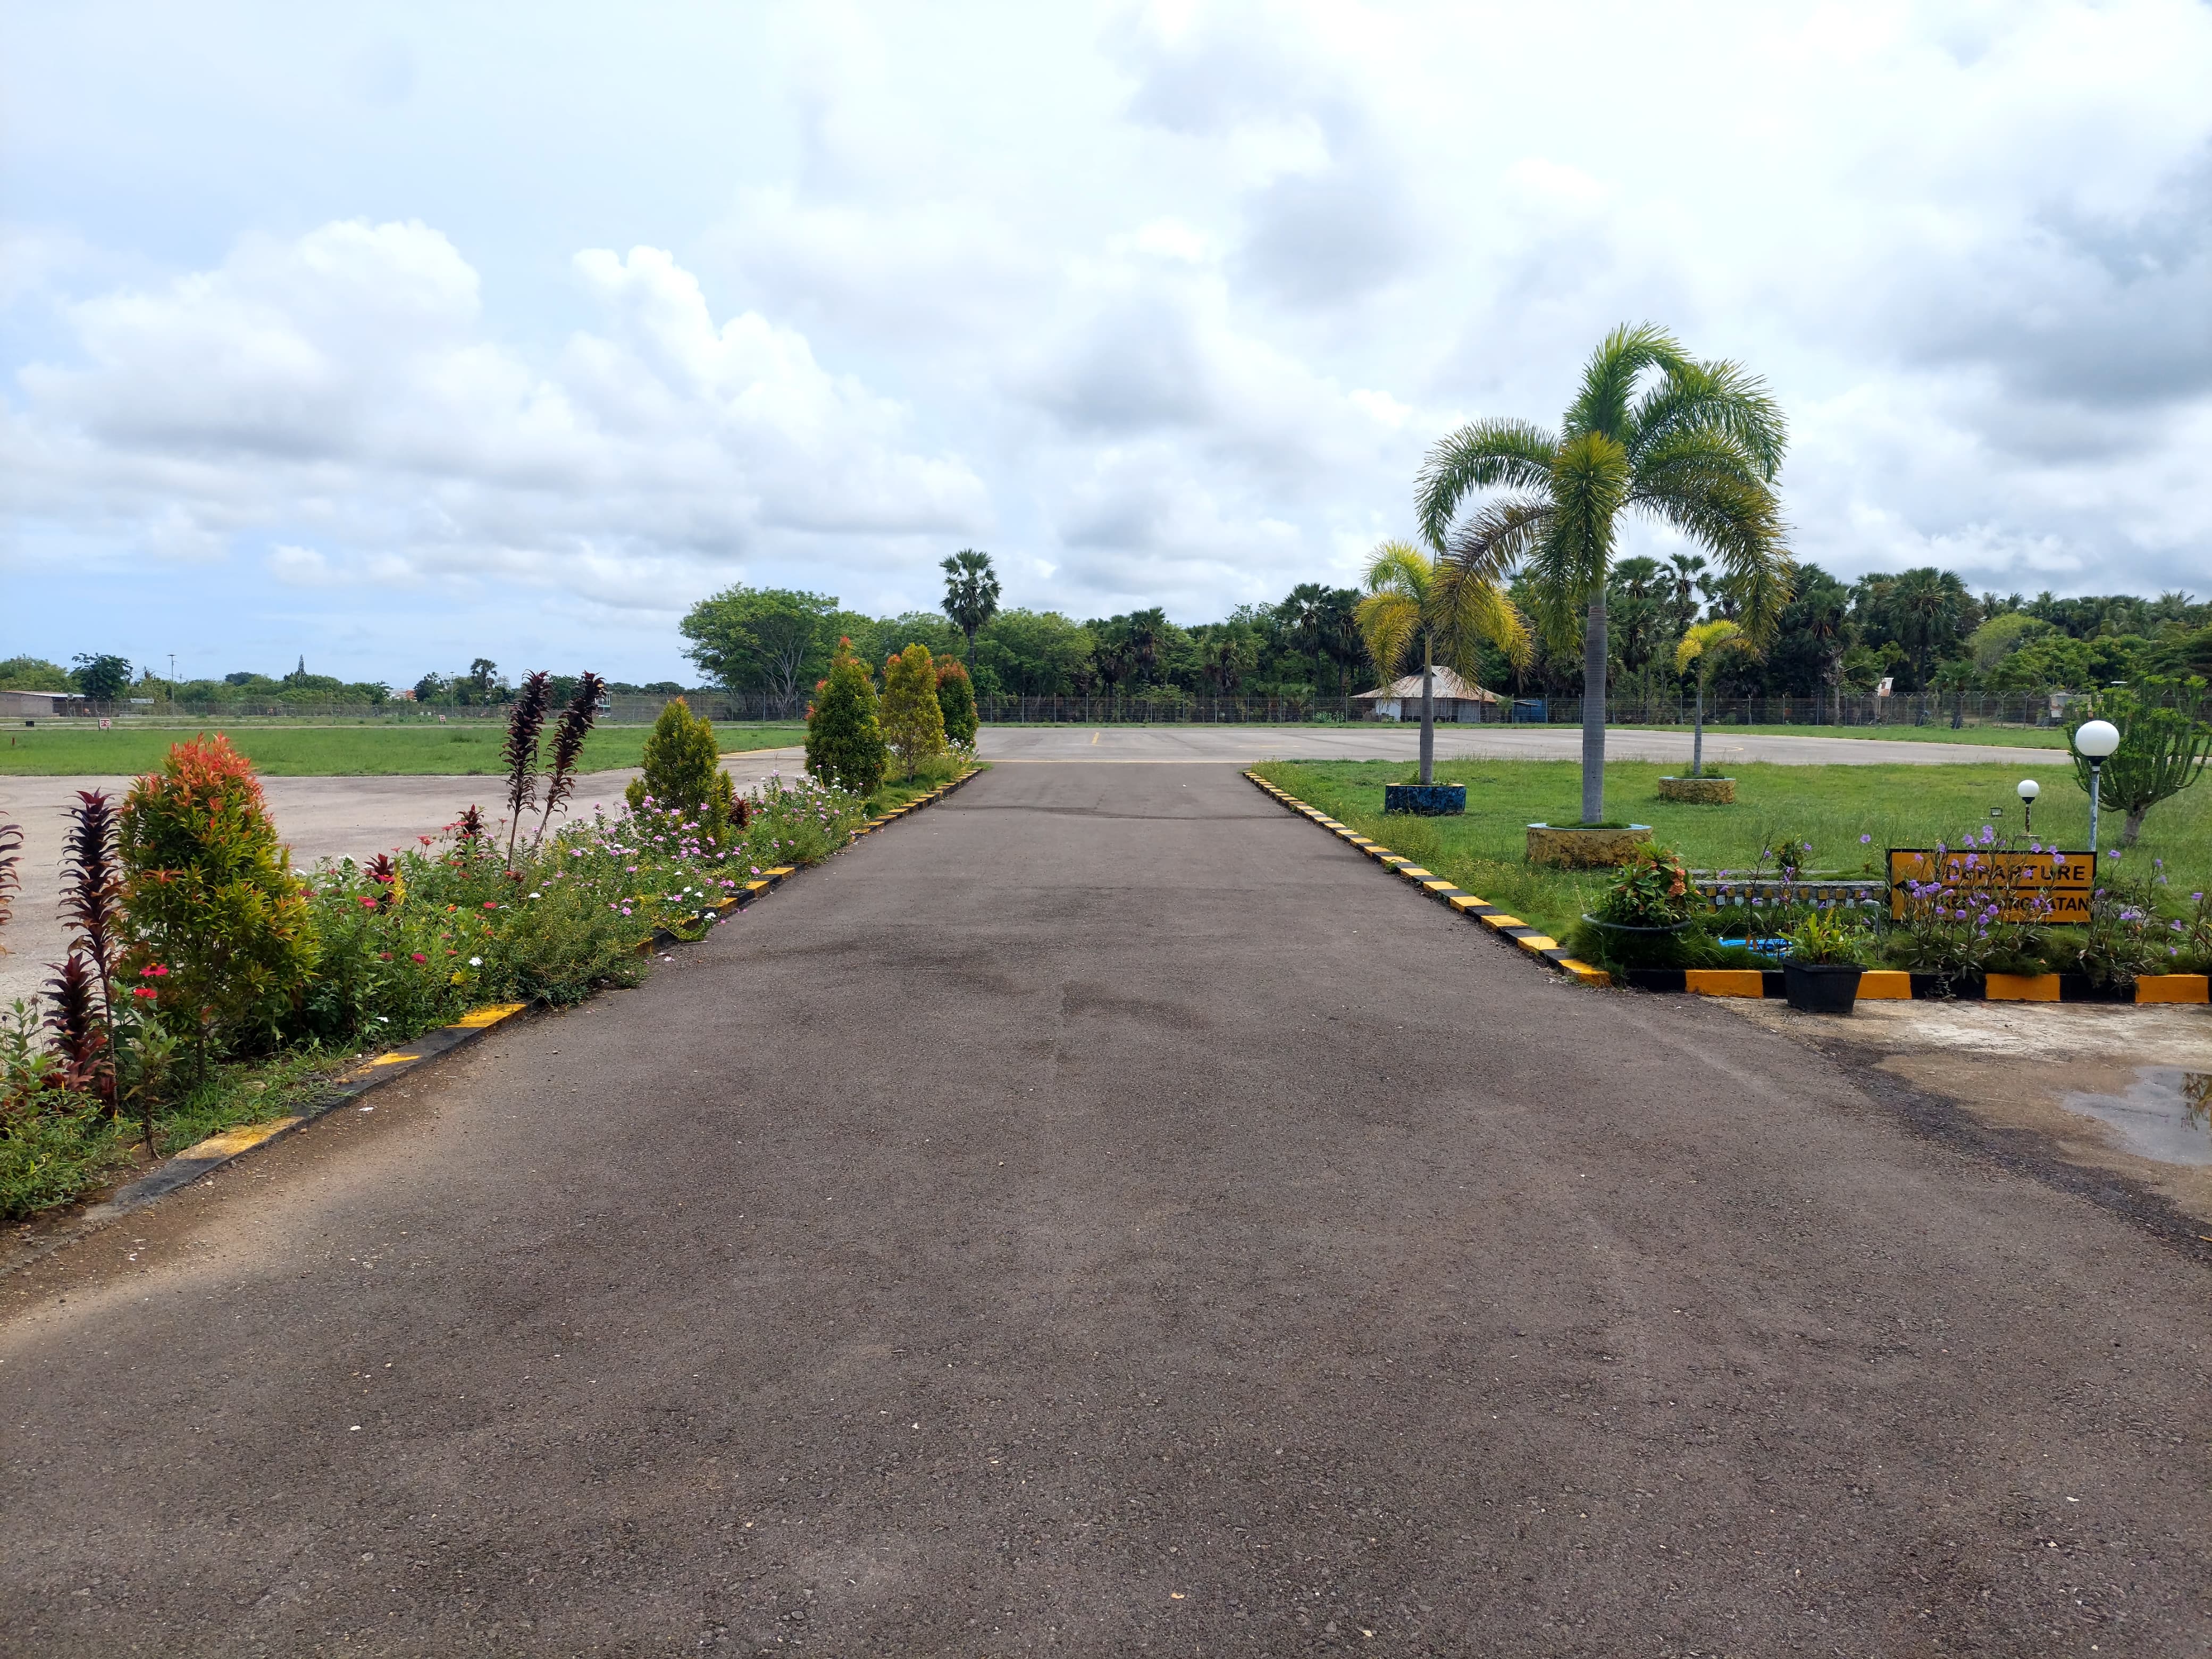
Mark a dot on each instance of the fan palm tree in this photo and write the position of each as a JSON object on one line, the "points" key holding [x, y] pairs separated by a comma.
{"points": [[1697, 449], [1418, 608], [1703, 647]]}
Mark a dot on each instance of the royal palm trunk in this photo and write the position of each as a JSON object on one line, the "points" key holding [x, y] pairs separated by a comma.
{"points": [[1428, 717], [1593, 710]]}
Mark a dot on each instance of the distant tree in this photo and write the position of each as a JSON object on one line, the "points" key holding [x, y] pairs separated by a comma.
{"points": [[1929, 611], [770, 639], [1034, 653], [1700, 652], [34, 674], [1418, 609], [971, 592], [102, 679], [1686, 582]]}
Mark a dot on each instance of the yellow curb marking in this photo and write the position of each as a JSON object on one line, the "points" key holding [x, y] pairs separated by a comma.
{"points": [[232, 1142], [393, 1060], [478, 1019]]}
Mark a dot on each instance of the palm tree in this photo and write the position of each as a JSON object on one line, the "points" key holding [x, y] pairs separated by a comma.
{"points": [[971, 594], [1418, 607], [1689, 578], [1697, 449], [1704, 646]]}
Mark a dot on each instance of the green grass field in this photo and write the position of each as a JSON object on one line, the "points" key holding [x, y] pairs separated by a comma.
{"points": [[1990, 737], [332, 752], [1831, 806]]}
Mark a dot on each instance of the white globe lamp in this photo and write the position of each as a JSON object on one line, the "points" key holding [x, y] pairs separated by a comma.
{"points": [[2093, 740], [2027, 791]]}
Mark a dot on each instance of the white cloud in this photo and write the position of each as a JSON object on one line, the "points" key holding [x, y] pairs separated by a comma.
{"points": [[1160, 303]]}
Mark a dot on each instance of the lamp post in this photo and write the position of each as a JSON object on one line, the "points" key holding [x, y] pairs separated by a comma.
{"points": [[2028, 790], [2094, 741]]}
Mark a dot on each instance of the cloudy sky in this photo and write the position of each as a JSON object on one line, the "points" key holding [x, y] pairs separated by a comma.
{"points": [[395, 334]]}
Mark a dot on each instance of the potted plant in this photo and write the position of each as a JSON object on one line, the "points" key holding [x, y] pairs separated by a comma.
{"points": [[1645, 908], [1821, 974]]}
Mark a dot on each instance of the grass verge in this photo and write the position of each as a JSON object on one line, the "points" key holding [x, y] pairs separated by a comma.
{"points": [[1986, 737], [79, 749], [1831, 806]]}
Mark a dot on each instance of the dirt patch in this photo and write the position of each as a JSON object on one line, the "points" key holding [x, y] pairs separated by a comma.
{"points": [[2063, 1076]]}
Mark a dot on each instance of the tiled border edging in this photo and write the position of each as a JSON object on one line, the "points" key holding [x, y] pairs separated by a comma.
{"points": [[1538, 946], [184, 1168]]}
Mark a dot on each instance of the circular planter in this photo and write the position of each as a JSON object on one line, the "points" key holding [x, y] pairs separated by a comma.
{"points": [[1822, 987], [1572, 848], [1639, 947], [1699, 792], [1433, 800]]}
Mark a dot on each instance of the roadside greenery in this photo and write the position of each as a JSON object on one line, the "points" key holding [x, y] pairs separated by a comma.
{"points": [[1805, 837], [78, 748], [208, 983]]}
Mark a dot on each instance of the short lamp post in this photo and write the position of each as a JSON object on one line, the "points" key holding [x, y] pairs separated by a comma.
{"points": [[2028, 790], [2094, 742]]}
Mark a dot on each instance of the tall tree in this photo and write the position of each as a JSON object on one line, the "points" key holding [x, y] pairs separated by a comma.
{"points": [[772, 639], [971, 593], [102, 679], [1418, 609], [1686, 586], [1693, 444]]}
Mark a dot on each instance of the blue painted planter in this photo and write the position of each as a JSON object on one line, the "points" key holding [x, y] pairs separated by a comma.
{"points": [[1431, 800]]}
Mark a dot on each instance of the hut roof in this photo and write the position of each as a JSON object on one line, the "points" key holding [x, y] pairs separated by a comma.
{"points": [[1446, 684]]}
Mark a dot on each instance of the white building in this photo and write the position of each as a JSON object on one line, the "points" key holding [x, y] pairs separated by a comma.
{"points": [[1455, 699]]}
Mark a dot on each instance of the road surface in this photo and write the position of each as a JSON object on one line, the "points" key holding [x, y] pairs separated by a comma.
{"points": [[1104, 1215]]}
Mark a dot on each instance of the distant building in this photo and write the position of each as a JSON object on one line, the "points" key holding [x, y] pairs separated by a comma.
{"points": [[1455, 699], [34, 704]]}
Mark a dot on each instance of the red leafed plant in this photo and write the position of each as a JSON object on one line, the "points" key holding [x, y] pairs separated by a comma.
{"points": [[212, 896], [76, 1020]]}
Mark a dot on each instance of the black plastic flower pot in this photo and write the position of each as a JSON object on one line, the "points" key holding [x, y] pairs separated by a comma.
{"points": [[1822, 987], [1432, 800]]}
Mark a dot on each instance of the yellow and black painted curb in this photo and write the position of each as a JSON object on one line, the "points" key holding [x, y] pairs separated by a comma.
{"points": [[209, 1155], [1537, 946]]}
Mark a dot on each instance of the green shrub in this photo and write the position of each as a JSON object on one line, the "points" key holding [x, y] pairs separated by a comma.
{"points": [[683, 775], [49, 1155], [2163, 748], [956, 700], [913, 724], [844, 728], [210, 899]]}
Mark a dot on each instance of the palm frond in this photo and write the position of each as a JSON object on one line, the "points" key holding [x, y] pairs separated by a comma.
{"points": [[1492, 545], [1482, 455], [1609, 380], [1720, 398], [1388, 624], [1468, 609]]}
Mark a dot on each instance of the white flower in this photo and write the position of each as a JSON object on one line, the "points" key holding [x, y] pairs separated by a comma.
{"points": [[476, 961]]}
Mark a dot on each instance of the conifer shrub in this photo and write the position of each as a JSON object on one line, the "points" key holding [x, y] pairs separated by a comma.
{"points": [[844, 728], [683, 775], [914, 724], [956, 700], [217, 917]]}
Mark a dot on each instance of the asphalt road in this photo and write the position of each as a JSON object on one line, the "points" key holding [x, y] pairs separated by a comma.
{"points": [[1241, 746], [1104, 1215]]}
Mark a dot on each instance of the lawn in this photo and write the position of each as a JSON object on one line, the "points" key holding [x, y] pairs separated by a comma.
{"points": [[332, 751], [1831, 807], [1990, 737]]}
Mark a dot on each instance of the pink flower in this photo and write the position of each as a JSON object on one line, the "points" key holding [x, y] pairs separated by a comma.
{"points": [[418, 956]]}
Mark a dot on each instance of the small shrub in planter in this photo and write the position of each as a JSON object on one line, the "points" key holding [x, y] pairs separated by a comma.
{"points": [[1820, 974], [1645, 913], [912, 722], [683, 775], [211, 897], [956, 700]]}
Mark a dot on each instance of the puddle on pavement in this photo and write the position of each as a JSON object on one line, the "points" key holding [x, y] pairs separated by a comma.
{"points": [[2165, 1113]]}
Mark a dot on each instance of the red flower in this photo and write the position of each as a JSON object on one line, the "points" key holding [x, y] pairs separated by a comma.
{"points": [[419, 957], [491, 904]]}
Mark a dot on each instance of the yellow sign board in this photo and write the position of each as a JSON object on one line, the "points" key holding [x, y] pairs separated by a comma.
{"points": [[2050, 886]]}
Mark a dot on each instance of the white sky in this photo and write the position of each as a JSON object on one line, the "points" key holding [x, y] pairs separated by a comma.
{"points": [[397, 335]]}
